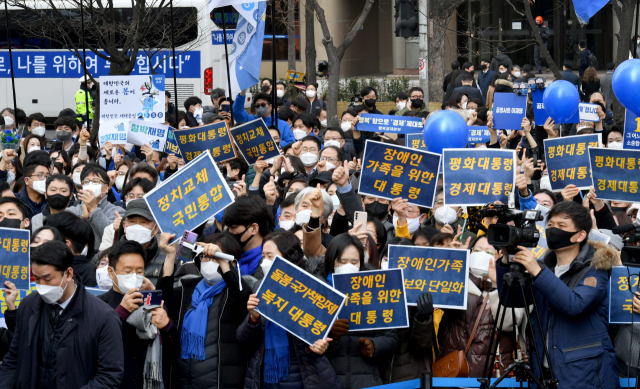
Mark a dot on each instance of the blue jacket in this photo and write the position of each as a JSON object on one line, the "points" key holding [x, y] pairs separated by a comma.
{"points": [[241, 116], [574, 313], [528, 202], [484, 80]]}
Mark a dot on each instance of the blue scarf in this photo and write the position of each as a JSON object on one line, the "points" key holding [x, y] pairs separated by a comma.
{"points": [[194, 328], [330, 278], [276, 356], [250, 260]]}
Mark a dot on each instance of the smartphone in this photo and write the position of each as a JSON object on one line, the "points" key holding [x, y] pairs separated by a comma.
{"points": [[534, 155], [360, 217], [52, 145], [151, 297], [225, 107], [187, 244]]}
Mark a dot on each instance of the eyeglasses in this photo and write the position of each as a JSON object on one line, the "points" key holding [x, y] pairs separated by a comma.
{"points": [[416, 97], [122, 173], [132, 196], [261, 105], [96, 181], [309, 150], [330, 159], [440, 201], [491, 252], [41, 176]]}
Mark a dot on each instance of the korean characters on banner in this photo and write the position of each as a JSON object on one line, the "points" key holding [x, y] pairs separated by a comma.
{"points": [[508, 110], [588, 112], [631, 139], [189, 197], [375, 299], [621, 295], [568, 160], [478, 134], [213, 137], [478, 176], [171, 147], [390, 171], [147, 133], [616, 174], [389, 124], [132, 97], [541, 225], [415, 141], [114, 131], [254, 140], [14, 257], [298, 302], [540, 115], [439, 271]]}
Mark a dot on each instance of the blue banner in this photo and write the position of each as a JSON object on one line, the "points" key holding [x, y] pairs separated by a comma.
{"points": [[620, 297], [390, 124], [213, 137], [171, 147], [540, 115], [588, 112], [390, 171], [540, 250], [478, 176], [216, 37], [441, 272], [254, 140], [508, 111], [478, 134], [415, 141], [14, 257], [567, 160], [189, 197], [298, 302], [375, 299], [631, 131], [63, 64], [615, 174]]}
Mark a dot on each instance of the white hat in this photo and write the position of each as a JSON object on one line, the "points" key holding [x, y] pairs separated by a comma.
{"points": [[633, 206], [82, 78]]}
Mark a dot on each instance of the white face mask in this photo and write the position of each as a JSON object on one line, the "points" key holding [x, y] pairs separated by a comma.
{"points": [[287, 224], [209, 271], [32, 148], [40, 186], [280, 93], [346, 126], [545, 183], [464, 105], [299, 134], [197, 113], [102, 276], [470, 111], [95, 188], [74, 161], [138, 233], [311, 93], [331, 143], [38, 131], [266, 265], [282, 170], [401, 105], [445, 215], [336, 201], [516, 74], [347, 269], [8, 121], [502, 71], [615, 145], [309, 159], [384, 265], [323, 123], [330, 166], [10, 177], [479, 263], [51, 294], [302, 217], [129, 281], [119, 182], [76, 179], [413, 224], [481, 146]]}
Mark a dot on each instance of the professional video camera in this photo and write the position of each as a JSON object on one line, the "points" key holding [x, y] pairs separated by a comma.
{"points": [[523, 233], [630, 255]]}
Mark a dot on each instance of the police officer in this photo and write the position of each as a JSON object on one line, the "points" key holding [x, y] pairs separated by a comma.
{"points": [[81, 100]]}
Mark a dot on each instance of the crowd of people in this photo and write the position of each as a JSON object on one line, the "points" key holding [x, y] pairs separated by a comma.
{"points": [[91, 227]]}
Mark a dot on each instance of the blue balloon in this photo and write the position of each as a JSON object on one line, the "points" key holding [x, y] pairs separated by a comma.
{"points": [[445, 130], [625, 83], [561, 100]]}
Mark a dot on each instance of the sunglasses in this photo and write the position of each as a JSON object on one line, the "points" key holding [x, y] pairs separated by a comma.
{"points": [[261, 105]]}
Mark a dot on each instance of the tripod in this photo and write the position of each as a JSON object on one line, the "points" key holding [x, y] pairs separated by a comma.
{"points": [[517, 292]]}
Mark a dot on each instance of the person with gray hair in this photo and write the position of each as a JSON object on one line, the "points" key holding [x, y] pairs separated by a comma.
{"points": [[312, 216]]}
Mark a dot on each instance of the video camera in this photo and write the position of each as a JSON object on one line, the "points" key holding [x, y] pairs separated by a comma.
{"points": [[523, 233], [630, 255]]}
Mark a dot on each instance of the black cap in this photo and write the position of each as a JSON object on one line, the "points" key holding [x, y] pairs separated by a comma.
{"points": [[68, 112], [321, 178], [138, 207]]}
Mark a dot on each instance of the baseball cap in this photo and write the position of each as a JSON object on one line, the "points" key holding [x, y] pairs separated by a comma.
{"points": [[138, 207]]}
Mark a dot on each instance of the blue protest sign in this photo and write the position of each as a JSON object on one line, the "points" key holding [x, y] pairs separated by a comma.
{"points": [[508, 110], [213, 137], [14, 257], [567, 160], [588, 112], [217, 37], [620, 297], [189, 197], [375, 299], [541, 248], [478, 176], [254, 140], [478, 134], [415, 141], [171, 147], [615, 174], [441, 272], [298, 302], [390, 171], [389, 124], [540, 115], [631, 131]]}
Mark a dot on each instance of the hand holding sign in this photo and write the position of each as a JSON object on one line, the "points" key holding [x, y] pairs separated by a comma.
{"points": [[521, 184], [240, 187], [148, 153], [252, 303], [340, 328], [548, 127], [10, 295], [569, 192], [320, 346]]}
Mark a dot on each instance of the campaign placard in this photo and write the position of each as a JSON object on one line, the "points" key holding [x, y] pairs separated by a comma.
{"points": [[439, 271], [508, 110], [15, 265], [213, 137], [415, 141], [389, 124], [631, 131], [567, 160], [541, 226], [254, 140], [375, 300], [171, 147], [620, 297], [615, 174], [588, 112], [132, 98], [478, 134], [147, 133], [478, 176], [390, 171], [114, 131], [540, 115], [189, 197], [298, 302]]}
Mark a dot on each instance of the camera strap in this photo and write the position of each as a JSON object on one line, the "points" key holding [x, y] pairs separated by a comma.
{"points": [[475, 326]]}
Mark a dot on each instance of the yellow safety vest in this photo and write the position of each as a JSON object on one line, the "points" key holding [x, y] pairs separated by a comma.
{"points": [[80, 104]]}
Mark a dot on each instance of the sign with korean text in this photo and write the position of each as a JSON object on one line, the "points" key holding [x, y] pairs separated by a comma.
{"points": [[540, 115], [254, 141], [147, 133], [541, 225], [439, 271], [132, 97], [621, 295], [189, 197], [375, 299], [568, 160], [114, 131], [508, 110], [389, 124], [478, 176], [390, 171], [298, 302], [171, 147], [14, 257], [631, 140], [217, 37], [478, 134], [415, 141], [213, 137], [588, 112], [616, 174]]}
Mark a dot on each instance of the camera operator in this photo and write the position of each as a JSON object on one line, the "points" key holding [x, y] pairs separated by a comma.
{"points": [[570, 289]]}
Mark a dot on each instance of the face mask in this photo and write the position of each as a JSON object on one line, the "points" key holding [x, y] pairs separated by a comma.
{"points": [[95, 188], [328, 143], [479, 263], [464, 105], [472, 72], [8, 121], [483, 67], [446, 215], [209, 271], [280, 93], [74, 161], [371, 103], [197, 113], [39, 186], [516, 74], [58, 201], [11, 223], [76, 179], [309, 159], [138, 233], [323, 123], [470, 111], [129, 281], [119, 182], [265, 88], [384, 265], [303, 217], [346, 126], [63, 135], [400, 106], [502, 71], [10, 177], [311, 93], [346, 269], [103, 279], [336, 201], [51, 294], [559, 239], [482, 146], [33, 148], [614, 145], [266, 265], [330, 166], [376, 210], [416, 103], [545, 183], [287, 224], [413, 224], [299, 134], [262, 112], [238, 238]]}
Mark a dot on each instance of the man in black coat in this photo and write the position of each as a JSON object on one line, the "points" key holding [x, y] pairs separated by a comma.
{"points": [[455, 65], [468, 88], [65, 337], [568, 75], [467, 68]]}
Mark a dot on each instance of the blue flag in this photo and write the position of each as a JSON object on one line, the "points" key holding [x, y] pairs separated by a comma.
{"points": [[585, 9], [631, 139], [620, 297]]}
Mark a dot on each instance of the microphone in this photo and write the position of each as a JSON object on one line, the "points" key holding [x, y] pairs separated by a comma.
{"points": [[226, 257], [625, 228]]}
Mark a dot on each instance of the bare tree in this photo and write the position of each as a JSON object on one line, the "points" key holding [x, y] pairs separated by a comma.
{"points": [[536, 34], [310, 39]]}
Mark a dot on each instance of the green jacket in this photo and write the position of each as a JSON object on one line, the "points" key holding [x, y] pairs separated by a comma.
{"points": [[425, 108], [80, 104]]}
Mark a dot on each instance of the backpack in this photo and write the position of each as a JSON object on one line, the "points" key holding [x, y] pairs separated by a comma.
{"points": [[593, 61]]}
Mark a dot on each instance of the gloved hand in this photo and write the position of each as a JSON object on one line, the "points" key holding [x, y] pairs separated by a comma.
{"points": [[340, 328], [425, 307], [366, 347]]}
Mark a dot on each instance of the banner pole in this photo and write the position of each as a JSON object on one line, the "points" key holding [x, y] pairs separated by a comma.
{"points": [[173, 54], [13, 81], [84, 66], [274, 96], [226, 57]]}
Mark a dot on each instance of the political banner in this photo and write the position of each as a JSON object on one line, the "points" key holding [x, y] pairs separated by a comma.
{"points": [[615, 174], [390, 171], [132, 97], [588, 112], [508, 110], [254, 140], [375, 300], [171, 147], [620, 297], [478, 134], [478, 176], [189, 197], [540, 115], [147, 133], [114, 131], [298, 302], [415, 141], [389, 124], [567, 160], [15, 265], [439, 271], [213, 137], [631, 131], [541, 226]]}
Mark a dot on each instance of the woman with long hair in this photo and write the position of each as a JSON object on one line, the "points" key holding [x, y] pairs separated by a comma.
{"points": [[590, 81]]}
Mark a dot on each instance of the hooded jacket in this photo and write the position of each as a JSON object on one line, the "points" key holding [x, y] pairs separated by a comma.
{"points": [[498, 59]]}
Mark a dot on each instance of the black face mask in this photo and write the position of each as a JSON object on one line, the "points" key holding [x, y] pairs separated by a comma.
{"points": [[11, 223], [376, 210], [58, 201], [238, 238], [619, 209], [559, 239], [265, 88], [371, 103], [416, 103], [63, 136], [483, 67], [472, 72]]}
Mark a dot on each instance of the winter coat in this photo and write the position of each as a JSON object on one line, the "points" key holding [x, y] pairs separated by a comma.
{"points": [[584, 61], [101, 217], [472, 92], [484, 80], [590, 87], [570, 76], [503, 86], [544, 33], [498, 59], [315, 106], [6, 334]]}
